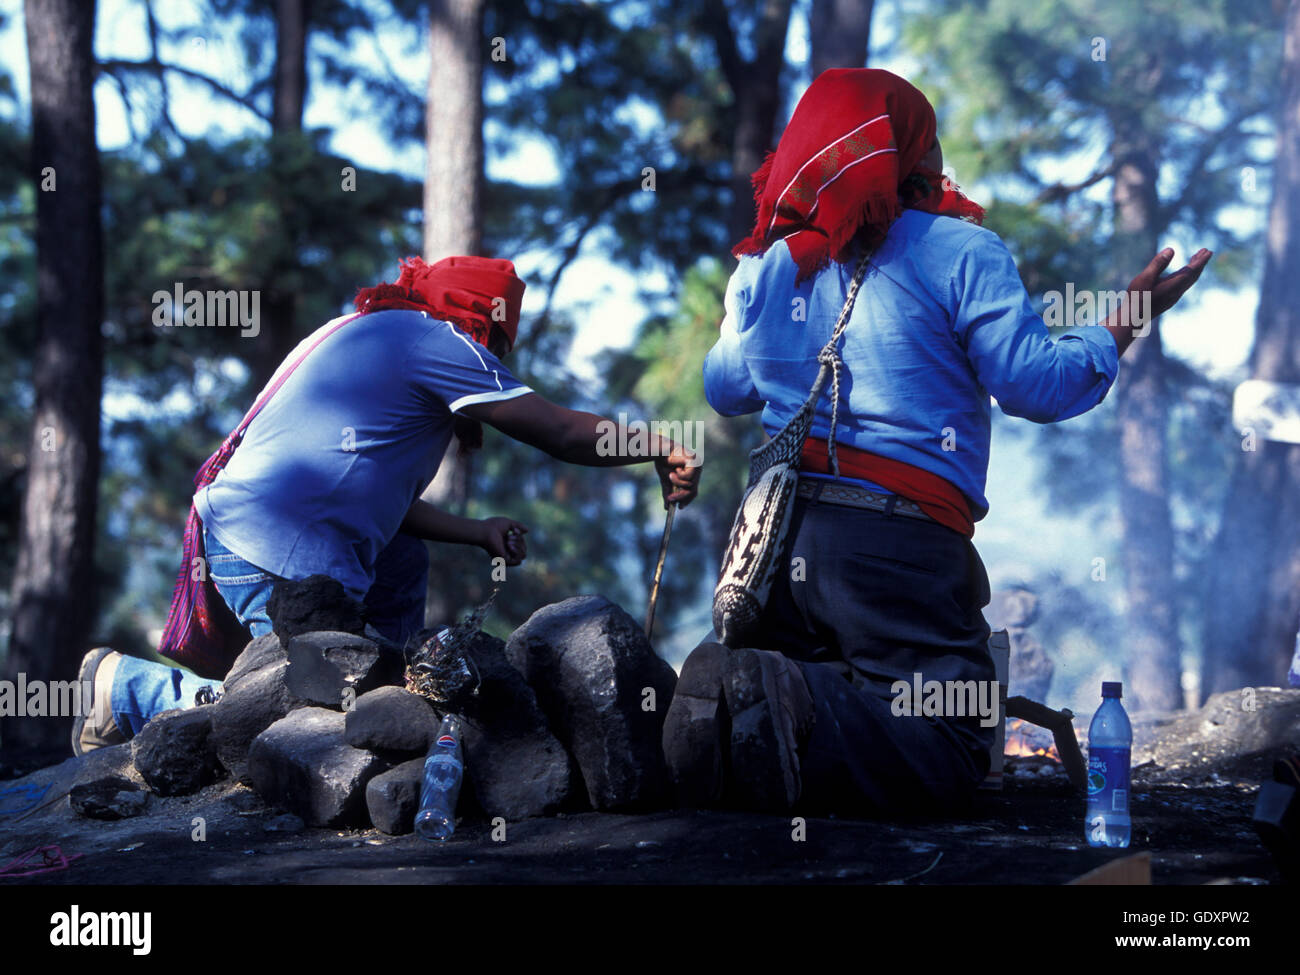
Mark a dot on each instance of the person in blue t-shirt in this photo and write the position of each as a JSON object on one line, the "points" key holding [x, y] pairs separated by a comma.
{"points": [[328, 476]]}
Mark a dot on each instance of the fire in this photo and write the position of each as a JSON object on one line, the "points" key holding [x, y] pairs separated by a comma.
{"points": [[1026, 740]]}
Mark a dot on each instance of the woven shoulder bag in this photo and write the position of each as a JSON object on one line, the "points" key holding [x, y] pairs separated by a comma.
{"points": [[755, 549]]}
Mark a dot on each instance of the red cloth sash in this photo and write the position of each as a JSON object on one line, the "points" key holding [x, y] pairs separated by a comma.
{"points": [[934, 495]]}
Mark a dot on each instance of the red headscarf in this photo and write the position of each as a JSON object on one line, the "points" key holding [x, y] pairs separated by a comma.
{"points": [[849, 160], [475, 293]]}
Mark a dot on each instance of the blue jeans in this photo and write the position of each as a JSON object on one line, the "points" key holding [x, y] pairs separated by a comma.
{"points": [[394, 606]]}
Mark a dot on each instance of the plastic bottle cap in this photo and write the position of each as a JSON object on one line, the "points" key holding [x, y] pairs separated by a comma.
{"points": [[1112, 688]]}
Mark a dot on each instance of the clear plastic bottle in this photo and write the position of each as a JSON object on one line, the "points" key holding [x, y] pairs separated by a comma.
{"points": [[1110, 749], [443, 771]]}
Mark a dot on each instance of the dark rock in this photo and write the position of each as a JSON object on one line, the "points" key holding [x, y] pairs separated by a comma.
{"points": [[114, 760], [108, 797], [288, 823], [1235, 733], [1030, 672], [260, 652], [393, 797], [392, 719], [590, 665], [313, 604], [322, 666], [241, 799], [302, 764], [174, 752], [256, 694], [514, 764]]}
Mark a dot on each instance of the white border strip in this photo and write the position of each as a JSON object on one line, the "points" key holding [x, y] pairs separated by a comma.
{"points": [[488, 397]]}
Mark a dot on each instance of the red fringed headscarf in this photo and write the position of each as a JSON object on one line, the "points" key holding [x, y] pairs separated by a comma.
{"points": [[847, 161], [475, 293]]}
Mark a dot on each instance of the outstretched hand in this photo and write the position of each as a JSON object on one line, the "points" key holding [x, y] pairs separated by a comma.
{"points": [[1166, 289]]}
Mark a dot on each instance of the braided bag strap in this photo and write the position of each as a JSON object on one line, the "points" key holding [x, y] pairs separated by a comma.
{"points": [[785, 447]]}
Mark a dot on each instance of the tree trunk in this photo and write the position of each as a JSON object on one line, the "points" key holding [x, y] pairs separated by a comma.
{"points": [[453, 225], [279, 327], [453, 176], [290, 95], [839, 33], [1253, 574], [756, 97], [1151, 650], [53, 592]]}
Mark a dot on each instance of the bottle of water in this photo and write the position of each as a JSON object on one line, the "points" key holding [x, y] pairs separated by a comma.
{"points": [[1110, 744], [443, 771]]}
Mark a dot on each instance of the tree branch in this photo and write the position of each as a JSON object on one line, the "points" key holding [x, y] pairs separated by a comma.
{"points": [[159, 72], [154, 66], [1059, 191], [1231, 129]]}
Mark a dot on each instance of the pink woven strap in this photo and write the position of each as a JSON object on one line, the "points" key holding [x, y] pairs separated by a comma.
{"points": [[194, 633], [284, 375]]}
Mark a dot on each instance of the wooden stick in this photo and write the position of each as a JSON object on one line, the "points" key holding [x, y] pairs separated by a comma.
{"points": [[1061, 725], [659, 571]]}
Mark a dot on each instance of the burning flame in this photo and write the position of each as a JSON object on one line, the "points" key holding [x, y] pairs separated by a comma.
{"points": [[1023, 741]]}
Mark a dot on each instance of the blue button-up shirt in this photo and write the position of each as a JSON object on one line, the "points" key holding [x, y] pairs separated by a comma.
{"points": [[941, 322]]}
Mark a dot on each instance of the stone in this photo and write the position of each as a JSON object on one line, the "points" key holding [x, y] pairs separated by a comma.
{"points": [[313, 604], [288, 823], [108, 797], [391, 719], [1030, 669], [393, 797], [1235, 733], [302, 764], [174, 752], [323, 665], [604, 693], [514, 764], [256, 694], [260, 652], [114, 760]]}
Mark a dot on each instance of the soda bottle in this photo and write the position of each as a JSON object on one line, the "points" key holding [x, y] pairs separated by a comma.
{"points": [[443, 771], [1110, 744]]}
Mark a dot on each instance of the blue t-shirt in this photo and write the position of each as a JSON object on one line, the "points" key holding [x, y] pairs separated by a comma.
{"points": [[328, 469], [941, 321]]}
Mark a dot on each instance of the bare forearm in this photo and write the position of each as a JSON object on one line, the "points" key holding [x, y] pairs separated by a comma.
{"points": [[595, 441], [423, 520]]}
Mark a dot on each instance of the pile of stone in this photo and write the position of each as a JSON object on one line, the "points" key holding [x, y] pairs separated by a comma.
{"points": [[567, 716]]}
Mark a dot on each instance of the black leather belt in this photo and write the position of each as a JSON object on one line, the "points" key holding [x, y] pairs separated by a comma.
{"points": [[850, 495]]}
